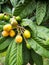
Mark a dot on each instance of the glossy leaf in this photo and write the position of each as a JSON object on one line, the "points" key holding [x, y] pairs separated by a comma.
{"points": [[7, 9], [3, 1], [40, 12], [24, 9], [38, 48], [26, 54], [15, 57], [42, 32], [5, 44], [8, 53], [37, 58]]}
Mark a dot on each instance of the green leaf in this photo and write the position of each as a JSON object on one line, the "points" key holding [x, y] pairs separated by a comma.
{"points": [[32, 43], [14, 2], [13, 54], [26, 54], [8, 53], [5, 44], [1, 27], [19, 54], [6, 9], [47, 13], [3, 1], [22, 1], [40, 51], [37, 58], [25, 9], [15, 57], [2, 22], [38, 48], [28, 22], [33, 18], [40, 12], [2, 39], [42, 32], [42, 43], [38, 41], [31, 59], [2, 54]]}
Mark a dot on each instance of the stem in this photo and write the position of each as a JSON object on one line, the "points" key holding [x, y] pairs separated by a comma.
{"points": [[18, 31], [21, 27], [24, 37]]}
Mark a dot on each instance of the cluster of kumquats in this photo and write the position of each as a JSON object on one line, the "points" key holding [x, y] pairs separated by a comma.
{"points": [[9, 29]]}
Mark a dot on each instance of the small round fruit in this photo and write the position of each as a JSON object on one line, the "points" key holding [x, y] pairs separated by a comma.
{"points": [[1, 16], [6, 17], [12, 33], [5, 34], [18, 18], [18, 39], [27, 34], [28, 46], [13, 21], [7, 27]]}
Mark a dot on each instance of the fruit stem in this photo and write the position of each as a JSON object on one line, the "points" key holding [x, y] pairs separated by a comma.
{"points": [[24, 37], [22, 28]]}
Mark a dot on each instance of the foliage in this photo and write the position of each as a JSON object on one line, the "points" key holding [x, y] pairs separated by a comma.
{"points": [[34, 17]]}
